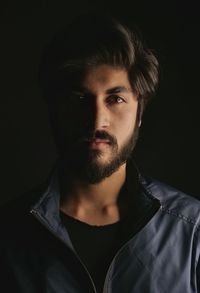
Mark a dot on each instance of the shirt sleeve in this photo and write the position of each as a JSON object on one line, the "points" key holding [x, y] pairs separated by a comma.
{"points": [[198, 260]]}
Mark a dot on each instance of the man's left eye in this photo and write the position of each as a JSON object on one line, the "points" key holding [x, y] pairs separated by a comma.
{"points": [[115, 99]]}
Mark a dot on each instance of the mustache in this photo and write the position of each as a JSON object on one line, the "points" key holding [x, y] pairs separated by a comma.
{"points": [[100, 134]]}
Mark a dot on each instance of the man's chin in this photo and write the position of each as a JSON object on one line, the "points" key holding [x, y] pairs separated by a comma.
{"points": [[101, 159], [96, 173], [93, 165], [97, 168]]}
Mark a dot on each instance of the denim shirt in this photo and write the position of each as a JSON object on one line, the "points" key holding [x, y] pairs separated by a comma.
{"points": [[161, 256]]}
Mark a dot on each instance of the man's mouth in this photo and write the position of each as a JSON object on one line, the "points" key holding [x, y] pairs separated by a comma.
{"points": [[97, 143], [98, 140]]}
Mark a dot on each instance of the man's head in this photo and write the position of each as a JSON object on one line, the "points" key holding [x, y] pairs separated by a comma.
{"points": [[97, 77]]}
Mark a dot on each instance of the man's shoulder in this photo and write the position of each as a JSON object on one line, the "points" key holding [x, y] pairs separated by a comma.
{"points": [[17, 225], [20, 206], [173, 201]]}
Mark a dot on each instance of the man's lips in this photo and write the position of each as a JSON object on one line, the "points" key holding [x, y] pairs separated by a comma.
{"points": [[97, 140], [96, 143]]}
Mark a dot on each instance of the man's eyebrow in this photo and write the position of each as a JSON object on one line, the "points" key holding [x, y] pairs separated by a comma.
{"points": [[114, 90], [80, 90], [118, 89]]}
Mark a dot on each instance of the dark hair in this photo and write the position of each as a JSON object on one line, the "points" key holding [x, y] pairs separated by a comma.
{"points": [[93, 40]]}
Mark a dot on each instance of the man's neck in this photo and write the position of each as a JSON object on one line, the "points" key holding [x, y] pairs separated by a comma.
{"points": [[95, 204]]}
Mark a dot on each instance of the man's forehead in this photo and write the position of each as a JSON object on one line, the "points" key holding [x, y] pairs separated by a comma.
{"points": [[104, 78]]}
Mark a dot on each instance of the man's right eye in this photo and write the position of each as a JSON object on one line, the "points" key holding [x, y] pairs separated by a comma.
{"points": [[78, 98], [81, 97]]}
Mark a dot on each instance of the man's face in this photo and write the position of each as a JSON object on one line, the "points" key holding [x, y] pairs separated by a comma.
{"points": [[95, 126]]}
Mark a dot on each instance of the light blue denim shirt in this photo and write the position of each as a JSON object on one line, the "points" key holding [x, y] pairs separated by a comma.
{"points": [[162, 257]]}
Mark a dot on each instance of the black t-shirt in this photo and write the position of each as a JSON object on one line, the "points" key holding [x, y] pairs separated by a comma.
{"points": [[95, 245]]}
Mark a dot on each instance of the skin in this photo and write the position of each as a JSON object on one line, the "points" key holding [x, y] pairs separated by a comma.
{"points": [[114, 111]]}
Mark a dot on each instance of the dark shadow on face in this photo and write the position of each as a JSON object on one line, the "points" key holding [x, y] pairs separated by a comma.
{"points": [[85, 163], [72, 120]]}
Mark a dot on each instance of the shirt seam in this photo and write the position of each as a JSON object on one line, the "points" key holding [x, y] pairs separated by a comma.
{"points": [[181, 216]]}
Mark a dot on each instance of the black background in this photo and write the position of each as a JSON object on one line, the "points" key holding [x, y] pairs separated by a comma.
{"points": [[168, 148]]}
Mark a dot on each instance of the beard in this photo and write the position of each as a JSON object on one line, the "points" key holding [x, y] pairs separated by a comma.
{"points": [[86, 164]]}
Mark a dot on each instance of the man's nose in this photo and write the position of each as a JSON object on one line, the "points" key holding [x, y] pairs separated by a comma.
{"points": [[100, 116]]}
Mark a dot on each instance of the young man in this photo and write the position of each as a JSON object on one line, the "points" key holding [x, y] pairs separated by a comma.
{"points": [[97, 225]]}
